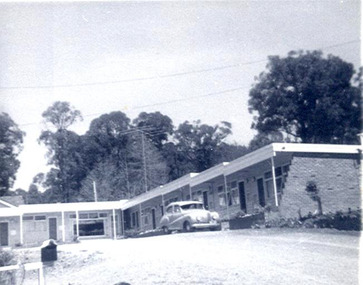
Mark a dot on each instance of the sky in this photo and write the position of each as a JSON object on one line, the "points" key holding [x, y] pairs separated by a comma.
{"points": [[188, 60]]}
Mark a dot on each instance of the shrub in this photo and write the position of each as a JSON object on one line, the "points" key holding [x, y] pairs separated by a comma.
{"points": [[350, 221], [7, 258]]}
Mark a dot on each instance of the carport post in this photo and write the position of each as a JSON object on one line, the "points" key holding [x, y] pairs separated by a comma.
{"points": [[21, 228], [274, 181], [77, 223], [140, 219], [225, 191], [122, 223], [63, 228], [190, 192], [114, 223]]}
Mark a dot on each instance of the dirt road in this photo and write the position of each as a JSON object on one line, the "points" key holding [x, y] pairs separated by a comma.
{"points": [[227, 257]]}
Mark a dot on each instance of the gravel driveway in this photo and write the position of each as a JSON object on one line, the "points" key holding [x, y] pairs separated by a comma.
{"points": [[265, 256]]}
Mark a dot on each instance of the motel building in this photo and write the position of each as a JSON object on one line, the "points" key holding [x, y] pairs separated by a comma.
{"points": [[273, 176]]}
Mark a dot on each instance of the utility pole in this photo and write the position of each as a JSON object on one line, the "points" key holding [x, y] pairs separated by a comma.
{"points": [[144, 159]]}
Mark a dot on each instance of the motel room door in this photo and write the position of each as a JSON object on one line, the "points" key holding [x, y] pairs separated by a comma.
{"points": [[153, 218], [242, 196], [205, 200], [261, 192], [53, 228], [4, 234]]}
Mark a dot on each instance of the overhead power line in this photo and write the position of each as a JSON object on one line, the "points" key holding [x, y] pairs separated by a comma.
{"points": [[161, 103], [170, 75]]}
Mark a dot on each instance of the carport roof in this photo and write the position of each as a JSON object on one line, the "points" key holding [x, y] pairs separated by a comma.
{"points": [[70, 207]]}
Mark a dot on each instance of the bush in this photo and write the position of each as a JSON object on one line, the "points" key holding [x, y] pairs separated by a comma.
{"points": [[349, 221], [7, 258]]}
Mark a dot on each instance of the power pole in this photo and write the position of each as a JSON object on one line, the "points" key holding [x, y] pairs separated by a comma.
{"points": [[144, 160]]}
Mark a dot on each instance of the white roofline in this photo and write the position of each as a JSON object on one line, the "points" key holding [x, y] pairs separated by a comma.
{"points": [[208, 174], [316, 148], [70, 207], [9, 212], [162, 190]]}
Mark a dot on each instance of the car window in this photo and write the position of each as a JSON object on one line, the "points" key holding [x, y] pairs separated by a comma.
{"points": [[169, 210], [177, 209], [192, 206]]}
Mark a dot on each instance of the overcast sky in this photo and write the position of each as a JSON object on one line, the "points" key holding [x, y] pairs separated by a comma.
{"points": [[149, 56]]}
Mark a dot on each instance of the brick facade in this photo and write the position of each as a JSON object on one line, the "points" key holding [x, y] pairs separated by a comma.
{"points": [[337, 178]]}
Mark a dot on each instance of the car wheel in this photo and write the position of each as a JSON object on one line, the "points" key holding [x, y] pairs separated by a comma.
{"points": [[166, 230], [188, 227]]}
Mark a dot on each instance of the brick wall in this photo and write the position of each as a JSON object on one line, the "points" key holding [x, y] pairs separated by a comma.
{"points": [[337, 178]]}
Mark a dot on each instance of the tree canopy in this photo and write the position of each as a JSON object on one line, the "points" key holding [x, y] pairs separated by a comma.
{"points": [[308, 98], [64, 151], [11, 139]]}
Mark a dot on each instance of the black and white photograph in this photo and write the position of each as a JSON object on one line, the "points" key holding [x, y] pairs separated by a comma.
{"points": [[180, 142]]}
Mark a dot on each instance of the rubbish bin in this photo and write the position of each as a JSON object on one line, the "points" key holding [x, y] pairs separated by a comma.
{"points": [[49, 251]]}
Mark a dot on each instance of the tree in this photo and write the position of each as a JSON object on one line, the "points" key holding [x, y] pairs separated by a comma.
{"points": [[64, 150], [308, 98], [228, 152], [198, 144], [107, 135], [11, 139], [313, 192], [262, 139], [157, 127]]}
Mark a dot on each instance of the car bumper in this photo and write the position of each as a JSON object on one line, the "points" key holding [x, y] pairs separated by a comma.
{"points": [[206, 225]]}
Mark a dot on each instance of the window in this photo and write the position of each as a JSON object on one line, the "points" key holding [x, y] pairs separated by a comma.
{"points": [[197, 196], [72, 216], [135, 219], [39, 218], [221, 196], [102, 215], [83, 216], [169, 210], [28, 218], [90, 228], [234, 197], [280, 175], [232, 194], [93, 215], [177, 209]]}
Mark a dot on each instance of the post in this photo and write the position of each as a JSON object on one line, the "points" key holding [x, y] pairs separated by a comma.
{"points": [[163, 204], [63, 228], [144, 158], [225, 191], [190, 192], [41, 276], [77, 223], [140, 216], [122, 222], [95, 191], [274, 181], [21, 229], [114, 223]]}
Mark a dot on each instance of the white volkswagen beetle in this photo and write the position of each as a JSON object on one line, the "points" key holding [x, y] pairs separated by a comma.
{"points": [[188, 216]]}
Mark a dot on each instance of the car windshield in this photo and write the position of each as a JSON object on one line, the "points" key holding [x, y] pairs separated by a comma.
{"points": [[192, 206]]}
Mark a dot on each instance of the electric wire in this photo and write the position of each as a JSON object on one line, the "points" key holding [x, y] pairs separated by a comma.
{"points": [[177, 74]]}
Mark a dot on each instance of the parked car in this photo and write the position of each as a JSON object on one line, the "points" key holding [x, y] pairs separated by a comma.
{"points": [[188, 216]]}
